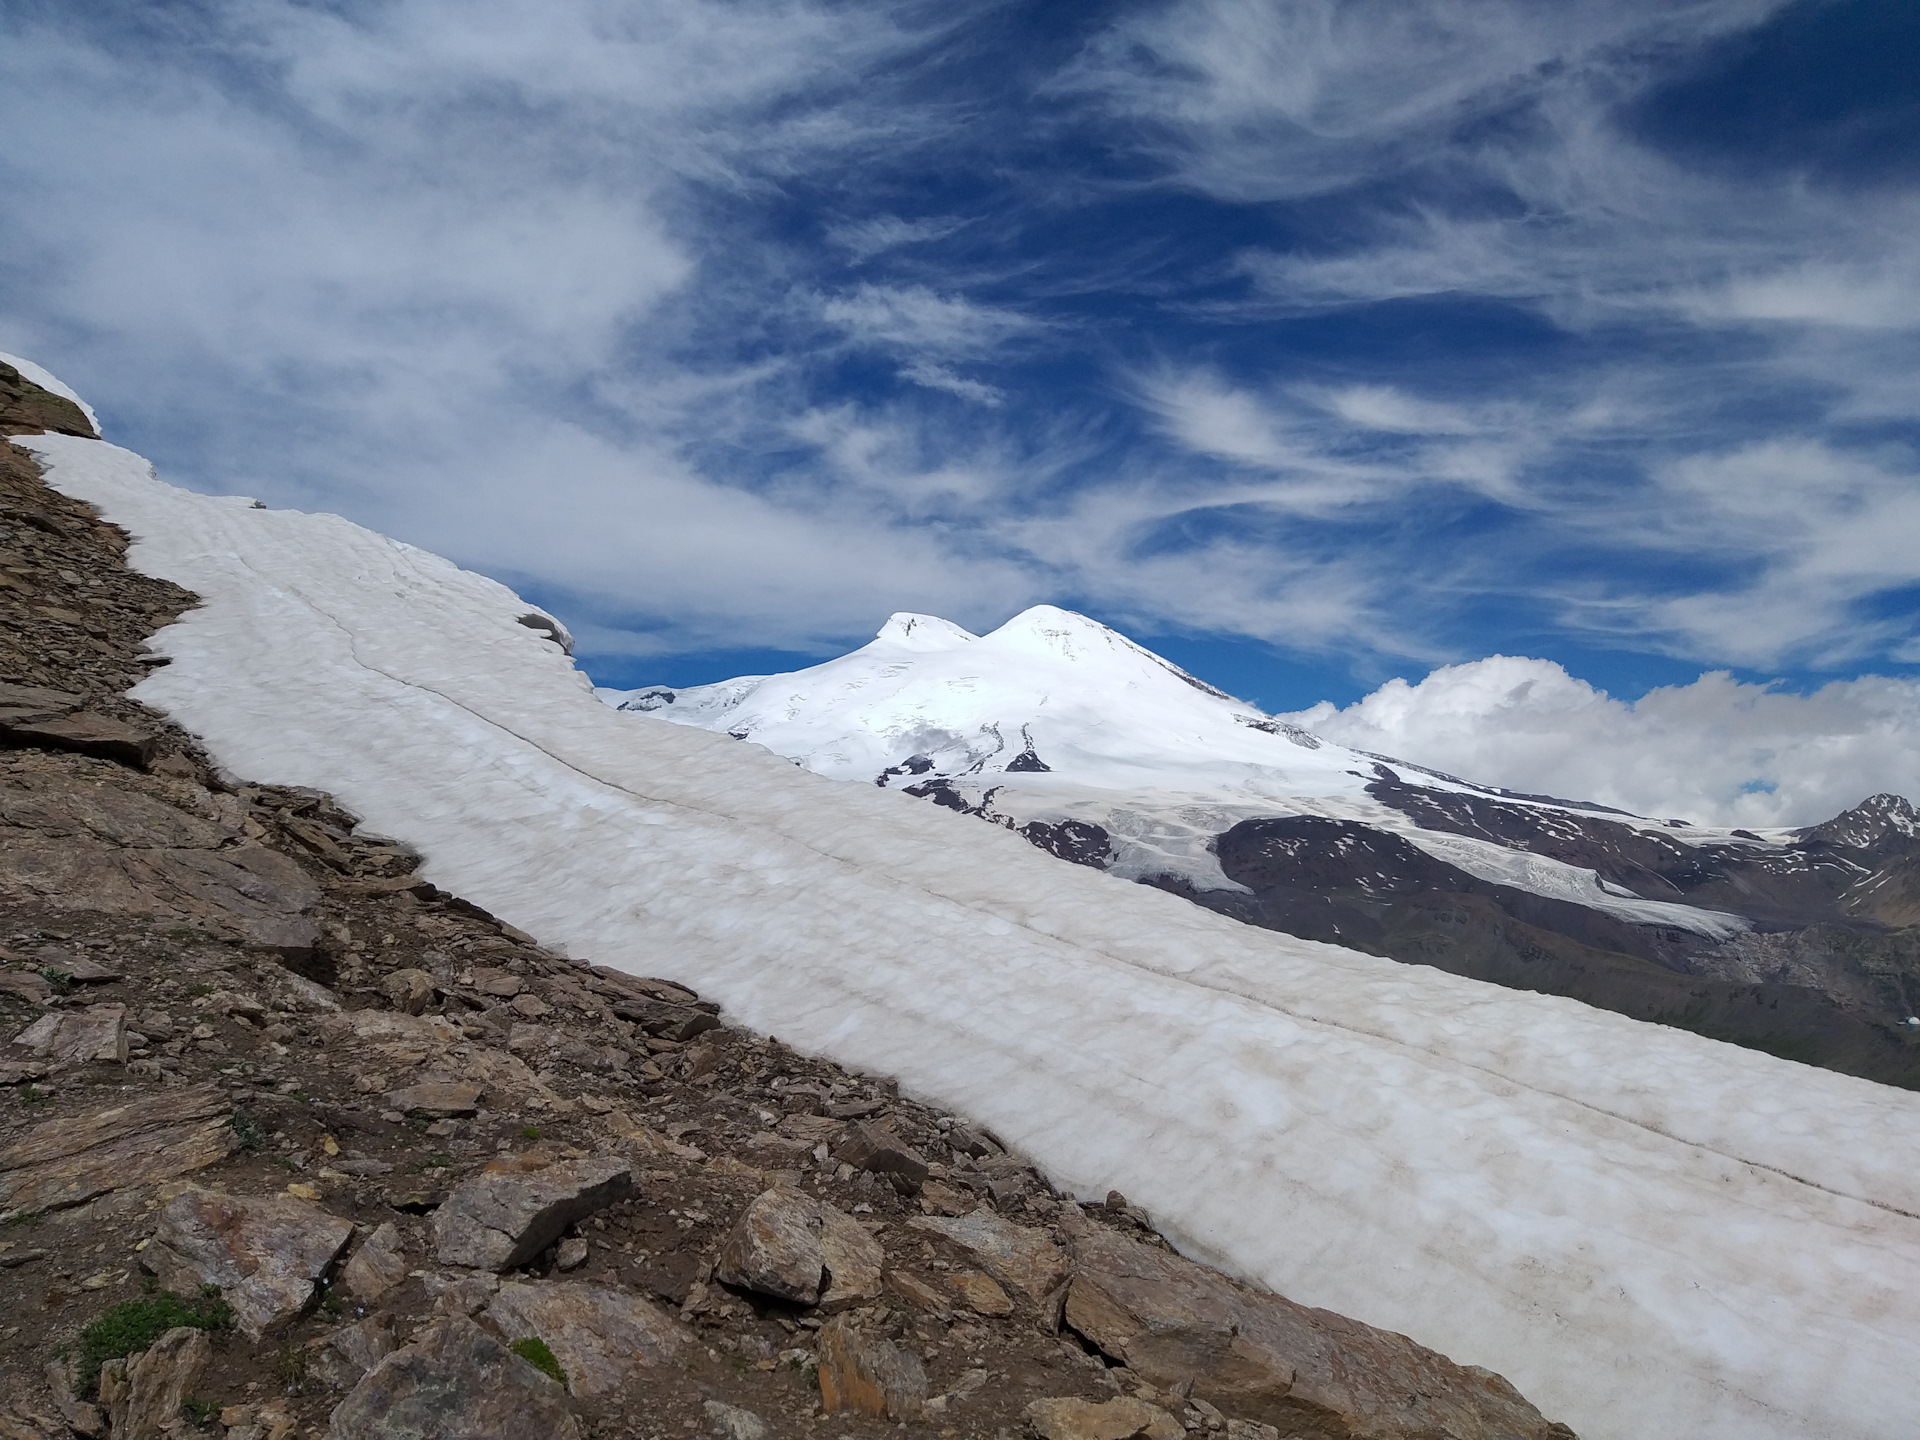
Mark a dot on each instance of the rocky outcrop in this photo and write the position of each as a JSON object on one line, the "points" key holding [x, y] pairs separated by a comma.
{"points": [[1260, 1357], [1021, 1256], [99, 843], [27, 409], [377, 1266]]}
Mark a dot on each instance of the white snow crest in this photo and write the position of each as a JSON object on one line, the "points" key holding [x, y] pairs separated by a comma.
{"points": [[1648, 1232], [47, 381]]}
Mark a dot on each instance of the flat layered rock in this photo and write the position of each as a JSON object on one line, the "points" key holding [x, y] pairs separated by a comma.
{"points": [[455, 1382], [82, 845], [871, 1147], [27, 984], [79, 969], [793, 1247], [256, 894], [982, 1294], [344, 1357], [1016, 1255], [97, 1034], [69, 1161], [1259, 1357], [506, 1215], [439, 1100], [384, 1027], [501, 984], [601, 1336], [264, 1254], [19, 702], [88, 734]]}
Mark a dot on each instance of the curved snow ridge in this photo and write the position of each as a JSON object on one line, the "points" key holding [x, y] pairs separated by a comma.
{"points": [[1648, 1232], [51, 384]]}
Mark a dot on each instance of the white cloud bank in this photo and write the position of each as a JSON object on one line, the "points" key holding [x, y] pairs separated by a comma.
{"points": [[1717, 751]]}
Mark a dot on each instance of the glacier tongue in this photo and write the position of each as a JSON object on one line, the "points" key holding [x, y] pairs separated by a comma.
{"points": [[1649, 1233]]}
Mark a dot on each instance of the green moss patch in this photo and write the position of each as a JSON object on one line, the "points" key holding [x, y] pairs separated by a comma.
{"points": [[534, 1351], [132, 1326]]}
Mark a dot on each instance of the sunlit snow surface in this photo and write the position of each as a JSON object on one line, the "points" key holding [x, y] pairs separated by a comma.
{"points": [[1128, 742], [1650, 1233]]}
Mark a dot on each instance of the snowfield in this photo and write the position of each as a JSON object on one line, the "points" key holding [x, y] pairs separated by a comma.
{"points": [[1651, 1234]]}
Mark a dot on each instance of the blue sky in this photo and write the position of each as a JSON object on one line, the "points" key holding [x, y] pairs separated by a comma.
{"points": [[1313, 342]]}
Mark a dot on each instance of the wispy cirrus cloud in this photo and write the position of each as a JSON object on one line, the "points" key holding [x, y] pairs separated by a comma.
{"points": [[1384, 331]]}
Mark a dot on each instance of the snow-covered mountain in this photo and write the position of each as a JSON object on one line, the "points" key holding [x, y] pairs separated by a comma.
{"points": [[1104, 753], [1649, 1233]]}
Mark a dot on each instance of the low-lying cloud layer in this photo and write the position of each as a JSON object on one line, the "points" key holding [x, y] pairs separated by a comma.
{"points": [[1715, 752]]}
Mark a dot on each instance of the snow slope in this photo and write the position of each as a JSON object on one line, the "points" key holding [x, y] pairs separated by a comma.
{"points": [[1651, 1234], [1057, 717]]}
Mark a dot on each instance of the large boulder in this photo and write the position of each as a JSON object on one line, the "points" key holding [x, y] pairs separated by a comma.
{"points": [[1260, 1357], [264, 1254], [454, 1382], [599, 1335], [793, 1247], [515, 1208]]}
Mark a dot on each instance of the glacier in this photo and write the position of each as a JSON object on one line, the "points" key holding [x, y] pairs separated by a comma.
{"points": [[1648, 1232]]}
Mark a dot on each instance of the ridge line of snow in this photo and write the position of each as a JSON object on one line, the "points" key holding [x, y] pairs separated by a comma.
{"points": [[1205, 983]]}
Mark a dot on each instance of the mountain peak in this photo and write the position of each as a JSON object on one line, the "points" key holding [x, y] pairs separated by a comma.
{"points": [[923, 632], [1873, 822]]}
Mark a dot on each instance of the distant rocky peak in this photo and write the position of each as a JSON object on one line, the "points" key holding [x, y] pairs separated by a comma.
{"points": [[1878, 822]]}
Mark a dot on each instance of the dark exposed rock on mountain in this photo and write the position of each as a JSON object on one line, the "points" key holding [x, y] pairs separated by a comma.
{"points": [[1814, 980]]}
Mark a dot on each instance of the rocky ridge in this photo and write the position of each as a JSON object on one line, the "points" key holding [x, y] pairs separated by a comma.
{"points": [[294, 1143]]}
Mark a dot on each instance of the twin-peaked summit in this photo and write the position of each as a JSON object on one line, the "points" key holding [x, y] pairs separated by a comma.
{"points": [[1103, 753], [1050, 691]]}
